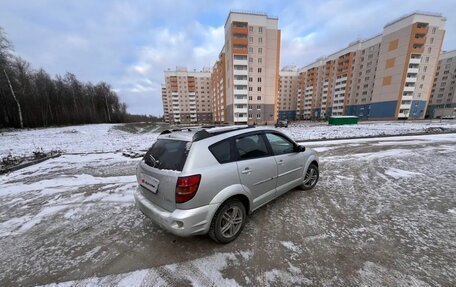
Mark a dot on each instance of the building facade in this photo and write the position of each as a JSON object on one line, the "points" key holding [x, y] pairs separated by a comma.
{"points": [[388, 76], [443, 94], [252, 55], [288, 93], [218, 80], [187, 97]]}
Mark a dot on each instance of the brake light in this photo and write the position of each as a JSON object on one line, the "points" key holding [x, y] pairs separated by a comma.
{"points": [[187, 187]]}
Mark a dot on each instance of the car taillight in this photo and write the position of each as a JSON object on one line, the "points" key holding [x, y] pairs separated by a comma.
{"points": [[187, 187]]}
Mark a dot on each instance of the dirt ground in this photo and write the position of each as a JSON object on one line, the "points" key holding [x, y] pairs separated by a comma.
{"points": [[382, 214]]}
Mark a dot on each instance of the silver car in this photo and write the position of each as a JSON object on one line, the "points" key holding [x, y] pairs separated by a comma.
{"points": [[206, 181]]}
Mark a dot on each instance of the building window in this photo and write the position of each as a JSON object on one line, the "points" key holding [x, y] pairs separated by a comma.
{"points": [[260, 30], [429, 50], [260, 40], [250, 70], [258, 116], [433, 30], [250, 107], [259, 70], [258, 107], [250, 49], [260, 50], [251, 28], [250, 89], [250, 116], [431, 40], [259, 97], [259, 79], [260, 60], [250, 79], [250, 98], [250, 59], [251, 39]]}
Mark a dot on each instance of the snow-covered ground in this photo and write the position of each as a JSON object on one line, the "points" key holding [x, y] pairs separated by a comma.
{"points": [[382, 214], [75, 139], [314, 131], [112, 138]]}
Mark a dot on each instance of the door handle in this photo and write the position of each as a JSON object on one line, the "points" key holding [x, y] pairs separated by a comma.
{"points": [[246, 171], [280, 162]]}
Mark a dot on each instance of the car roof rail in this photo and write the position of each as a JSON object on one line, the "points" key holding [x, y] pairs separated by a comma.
{"points": [[204, 133]]}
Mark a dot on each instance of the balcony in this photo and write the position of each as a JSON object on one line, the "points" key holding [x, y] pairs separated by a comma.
{"points": [[241, 92], [239, 30], [415, 61], [240, 41], [407, 98], [420, 41], [240, 62], [409, 89], [410, 80], [240, 82], [240, 51], [240, 110], [417, 48], [412, 71], [238, 100], [421, 30]]}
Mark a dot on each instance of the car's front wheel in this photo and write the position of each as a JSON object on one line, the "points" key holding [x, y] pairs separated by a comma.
{"points": [[228, 221], [311, 177]]}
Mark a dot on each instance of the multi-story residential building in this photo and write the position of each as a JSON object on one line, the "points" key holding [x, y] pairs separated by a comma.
{"points": [[443, 94], [252, 55], [288, 93], [388, 76], [218, 80], [187, 96]]}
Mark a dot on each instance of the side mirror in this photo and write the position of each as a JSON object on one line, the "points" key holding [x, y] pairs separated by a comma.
{"points": [[300, 148]]}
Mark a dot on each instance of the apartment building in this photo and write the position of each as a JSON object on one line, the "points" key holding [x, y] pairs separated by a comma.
{"points": [[288, 93], [186, 96], [218, 80], [443, 94], [388, 76], [252, 55]]}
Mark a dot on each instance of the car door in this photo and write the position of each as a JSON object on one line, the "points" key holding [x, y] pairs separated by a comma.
{"points": [[257, 167], [290, 163]]}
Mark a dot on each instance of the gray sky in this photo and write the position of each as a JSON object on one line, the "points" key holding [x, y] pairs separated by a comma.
{"points": [[130, 43]]}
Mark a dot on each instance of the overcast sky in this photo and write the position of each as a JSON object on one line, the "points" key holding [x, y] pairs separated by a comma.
{"points": [[130, 43]]}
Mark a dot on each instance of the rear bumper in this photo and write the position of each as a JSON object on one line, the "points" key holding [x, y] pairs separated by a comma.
{"points": [[179, 222]]}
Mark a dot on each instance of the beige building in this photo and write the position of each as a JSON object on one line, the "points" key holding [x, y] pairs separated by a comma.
{"points": [[443, 94], [388, 76], [252, 55], [186, 96], [288, 93], [218, 80]]}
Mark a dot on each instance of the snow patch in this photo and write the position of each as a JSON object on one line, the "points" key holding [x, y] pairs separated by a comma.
{"points": [[290, 246], [399, 173]]}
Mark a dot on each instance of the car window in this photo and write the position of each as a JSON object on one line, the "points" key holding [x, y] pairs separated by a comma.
{"points": [[222, 151], [167, 154], [251, 146], [279, 144]]}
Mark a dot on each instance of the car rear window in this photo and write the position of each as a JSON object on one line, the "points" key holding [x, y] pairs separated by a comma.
{"points": [[222, 151], [168, 154]]}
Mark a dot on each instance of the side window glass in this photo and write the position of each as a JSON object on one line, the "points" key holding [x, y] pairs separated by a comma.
{"points": [[279, 145], [252, 146], [222, 151]]}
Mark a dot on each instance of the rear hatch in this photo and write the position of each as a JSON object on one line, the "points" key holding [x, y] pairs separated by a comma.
{"points": [[158, 172]]}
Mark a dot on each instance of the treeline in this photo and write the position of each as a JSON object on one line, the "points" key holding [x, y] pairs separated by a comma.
{"points": [[32, 98]]}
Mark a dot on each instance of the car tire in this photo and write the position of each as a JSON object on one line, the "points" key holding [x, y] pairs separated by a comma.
{"points": [[311, 177], [228, 221]]}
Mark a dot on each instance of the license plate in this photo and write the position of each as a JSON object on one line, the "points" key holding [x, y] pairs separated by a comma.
{"points": [[149, 182]]}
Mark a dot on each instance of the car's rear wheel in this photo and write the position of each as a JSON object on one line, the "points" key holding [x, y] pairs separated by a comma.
{"points": [[228, 221], [311, 177]]}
